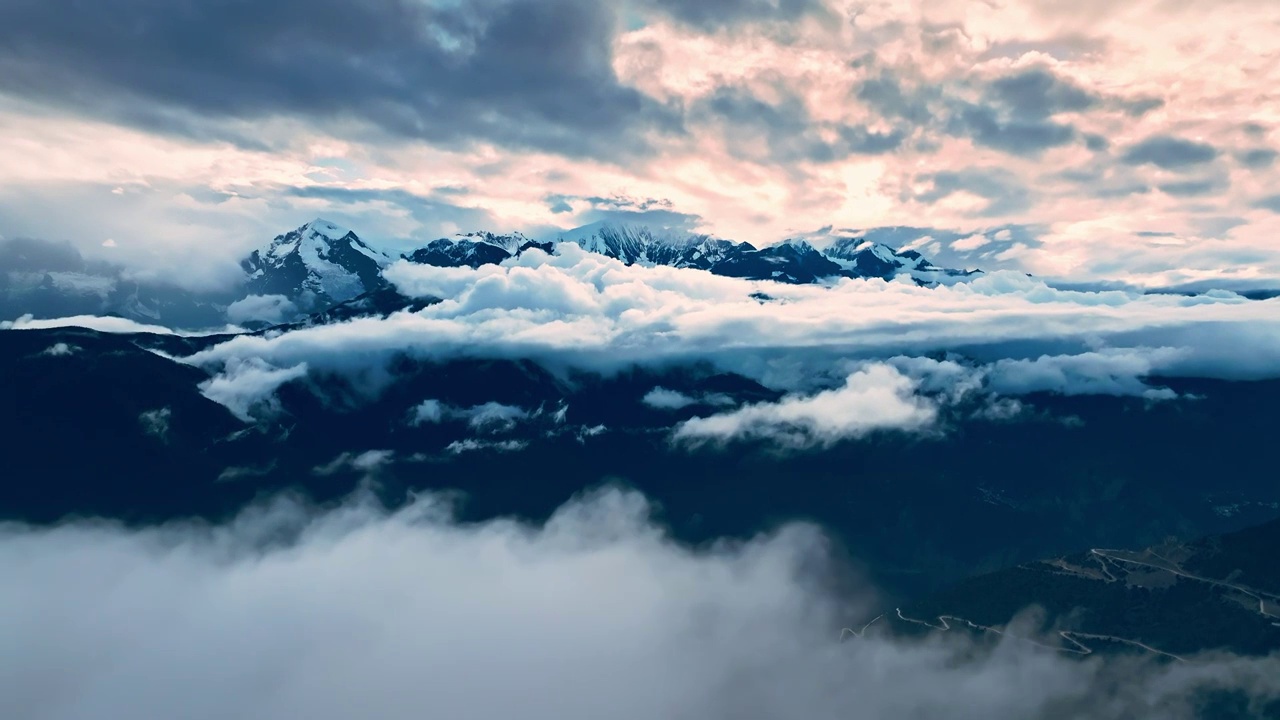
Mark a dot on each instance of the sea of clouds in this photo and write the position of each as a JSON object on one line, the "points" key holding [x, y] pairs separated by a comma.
{"points": [[357, 611], [852, 355]]}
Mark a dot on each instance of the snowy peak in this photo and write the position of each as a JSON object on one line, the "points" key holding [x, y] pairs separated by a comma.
{"points": [[451, 252], [795, 260], [705, 253], [322, 264], [323, 229], [796, 247], [621, 242], [848, 247], [318, 264], [644, 245], [865, 258], [512, 243], [790, 261], [859, 257], [315, 237], [473, 249]]}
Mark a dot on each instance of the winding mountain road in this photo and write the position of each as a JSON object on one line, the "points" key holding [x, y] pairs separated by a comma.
{"points": [[1068, 635], [1172, 567]]}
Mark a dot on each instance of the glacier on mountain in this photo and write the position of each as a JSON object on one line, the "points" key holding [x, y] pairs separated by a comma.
{"points": [[316, 265]]}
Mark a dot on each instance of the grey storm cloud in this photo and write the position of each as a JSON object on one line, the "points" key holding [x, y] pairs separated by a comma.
{"points": [[1217, 226], [522, 73], [1270, 202], [1017, 136], [1003, 190], [785, 131], [1259, 158], [1013, 113], [1017, 110], [1096, 143], [1193, 188], [885, 93], [1169, 153], [33, 255], [1037, 92], [713, 14], [52, 279]]}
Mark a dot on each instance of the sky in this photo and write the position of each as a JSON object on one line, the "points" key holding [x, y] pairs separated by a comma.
{"points": [[1129, 142]]}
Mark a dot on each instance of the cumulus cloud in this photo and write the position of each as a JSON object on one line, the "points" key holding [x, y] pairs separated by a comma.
{"points": [[973, 242], [244, 472], [156, 422], [1109, 372], [661, 398], [366, 462], [272, 309], [247, 386], [1170, 153], [878, 397], [467, 445], [428, 411], [490, 417], [60, 349], [1000, 409], [286, 611], [494, 417]]}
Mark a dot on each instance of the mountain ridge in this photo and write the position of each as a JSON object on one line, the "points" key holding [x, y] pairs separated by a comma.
{"points": [[322, 265], [301, 273]]}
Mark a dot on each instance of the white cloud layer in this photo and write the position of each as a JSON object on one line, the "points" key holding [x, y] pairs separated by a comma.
{"points": [[273, 309], [60, 349], [156, 422], [247, 386], [107, 324], [490, 417], [356, 612], [1106, 372], [878, 397], [661, 398], [368, 462], [578, 309]]}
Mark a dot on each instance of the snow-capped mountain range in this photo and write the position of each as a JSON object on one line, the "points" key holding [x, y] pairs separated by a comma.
{"points": [[793, 261], [646, 246], [301, 275], [321, 264]]}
